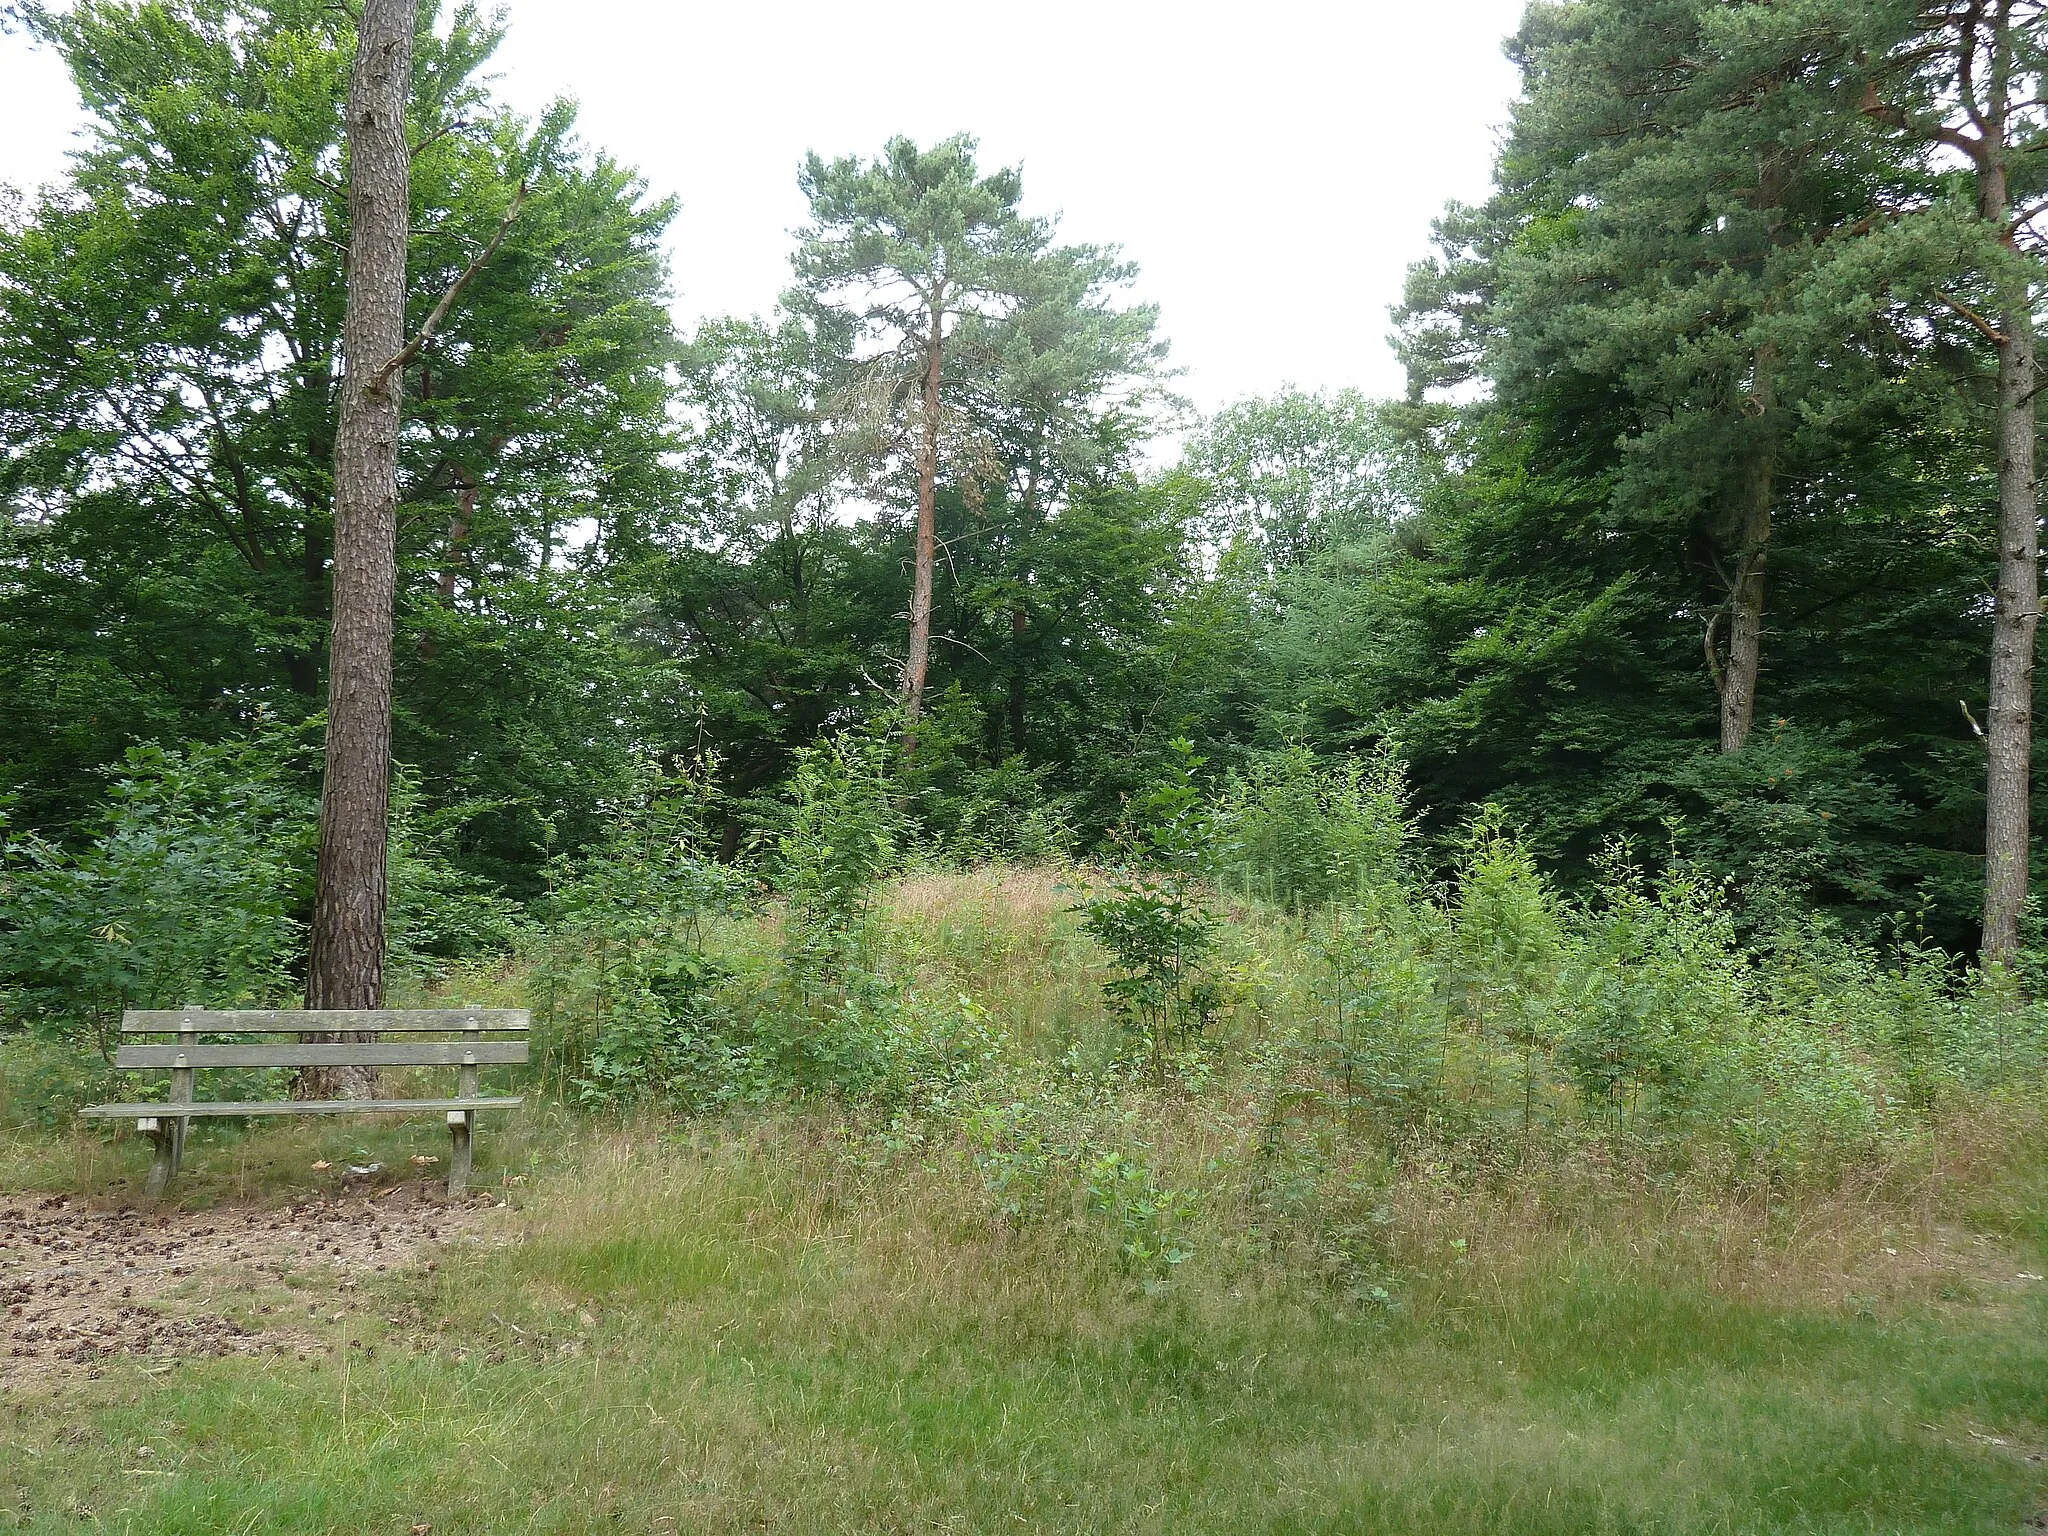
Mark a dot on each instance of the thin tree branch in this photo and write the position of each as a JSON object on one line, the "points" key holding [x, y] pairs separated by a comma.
{"points": [[2027, 216], [1991, 333], [411, 350], [439, 133], [956, 640], [1895, 117], [1966, 66]]}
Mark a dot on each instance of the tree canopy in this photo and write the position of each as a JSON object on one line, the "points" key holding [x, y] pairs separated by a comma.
{"points": [[1686, 533]]}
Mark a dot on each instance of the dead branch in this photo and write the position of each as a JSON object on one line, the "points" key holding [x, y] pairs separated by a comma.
{"points": [[412, 348], [1876, 108]]}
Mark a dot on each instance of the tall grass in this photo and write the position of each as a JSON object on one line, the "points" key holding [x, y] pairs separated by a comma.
{"points": [[745, 1329], [1468, 1207]]}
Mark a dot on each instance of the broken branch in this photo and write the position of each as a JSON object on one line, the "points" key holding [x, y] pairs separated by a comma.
{"points": [[412, 348], [1874, 107]]}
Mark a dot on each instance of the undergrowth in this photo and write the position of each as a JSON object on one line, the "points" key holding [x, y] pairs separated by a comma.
{"points": [[1254, 1178]]}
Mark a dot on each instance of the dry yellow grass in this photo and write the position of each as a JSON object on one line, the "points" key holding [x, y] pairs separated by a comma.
{"points": [[1007, 937]]}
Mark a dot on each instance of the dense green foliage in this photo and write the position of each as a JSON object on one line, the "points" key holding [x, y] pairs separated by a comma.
{"points": [[1717, 309], [1468, 1205], [1389, 925], [172, 316], [1712, 297], [1429, 680]]}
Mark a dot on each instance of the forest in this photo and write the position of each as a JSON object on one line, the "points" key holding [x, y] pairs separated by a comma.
{"points": [[1462, 962]]}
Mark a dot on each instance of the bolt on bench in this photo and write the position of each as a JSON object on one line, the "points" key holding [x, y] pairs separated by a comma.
{"points": [[197, 1047]]}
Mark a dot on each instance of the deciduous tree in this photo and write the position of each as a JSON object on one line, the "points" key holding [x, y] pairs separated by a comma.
{"points": [[170, 318]]}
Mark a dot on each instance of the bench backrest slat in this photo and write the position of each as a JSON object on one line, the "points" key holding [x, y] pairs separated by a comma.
{"points": [[277, 1021], [338, 1053]]}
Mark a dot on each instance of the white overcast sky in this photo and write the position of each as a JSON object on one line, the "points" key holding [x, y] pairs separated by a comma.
{"points": [[1272, 167]]}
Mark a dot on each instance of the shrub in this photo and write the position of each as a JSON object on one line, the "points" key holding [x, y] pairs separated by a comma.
{"points": [[183, 890], [624, 984], [1152, 918], [841, 834], [1507, 943], [1147, 1220], [1658, 985], [1297, 831], [188, 887], [1379, 997], [437, 911]]}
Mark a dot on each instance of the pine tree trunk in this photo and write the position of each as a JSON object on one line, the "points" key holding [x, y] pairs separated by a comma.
{"points": [[1987, 55], [1744, 673], [927, 537], [460, 522], [1018, 624], [1737, 680], [1745, 651], [1746, 603], [346, 964], [2010, 728]]}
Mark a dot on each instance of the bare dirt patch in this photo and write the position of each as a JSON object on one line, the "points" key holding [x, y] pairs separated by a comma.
{"points": [[81, 1286]]}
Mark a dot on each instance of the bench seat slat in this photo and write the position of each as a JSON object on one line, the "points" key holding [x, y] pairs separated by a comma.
{"points": [[211, 1110], [278, 1021], [336, 1053]]}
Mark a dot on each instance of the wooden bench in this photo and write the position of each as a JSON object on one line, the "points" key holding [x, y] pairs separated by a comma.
{"points": [[196, 1046]]}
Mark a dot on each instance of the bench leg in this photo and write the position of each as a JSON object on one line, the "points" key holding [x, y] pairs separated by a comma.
{"points": [[461, 1125], [166, 1161]]}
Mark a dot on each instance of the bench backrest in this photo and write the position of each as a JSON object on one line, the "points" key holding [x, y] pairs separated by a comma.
{"points": [[191, 1049]]}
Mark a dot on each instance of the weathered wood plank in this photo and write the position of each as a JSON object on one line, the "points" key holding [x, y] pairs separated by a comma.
{"points": [[205, 1109], [278, 1021], [461, 1150], [330, 1053]]}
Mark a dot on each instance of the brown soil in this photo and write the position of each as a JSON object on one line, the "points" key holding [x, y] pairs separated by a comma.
{"points": [[80, 1286]]}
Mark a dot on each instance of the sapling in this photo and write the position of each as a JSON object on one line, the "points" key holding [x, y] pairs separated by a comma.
{"points": [[624, 935], [1151, 914], [1508, 942]]}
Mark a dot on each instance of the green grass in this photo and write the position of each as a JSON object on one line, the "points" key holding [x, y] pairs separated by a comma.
{"points": [[812, 1322], [742, 1333]]}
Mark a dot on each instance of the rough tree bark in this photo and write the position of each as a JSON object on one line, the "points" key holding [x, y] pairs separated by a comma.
{"points": [[1987, 64], [1743, 673], [2009, 731], [919, 661], [2010, 728], [346, 963], [460, 521]]}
